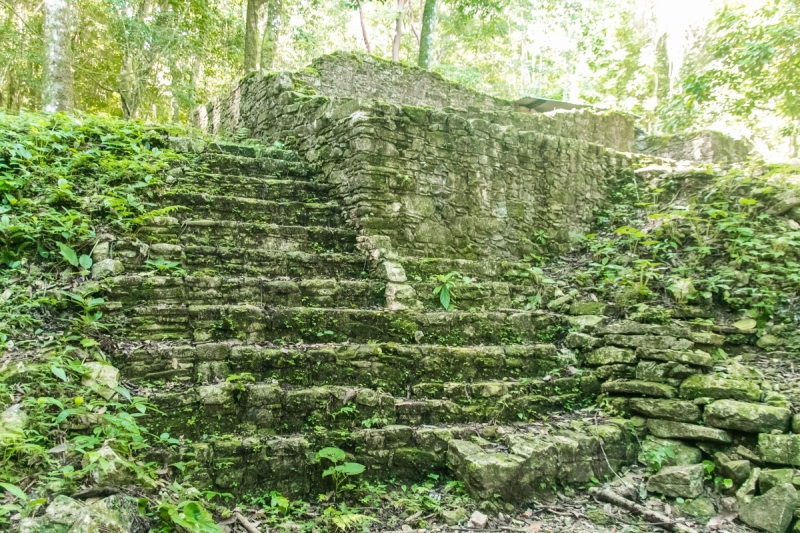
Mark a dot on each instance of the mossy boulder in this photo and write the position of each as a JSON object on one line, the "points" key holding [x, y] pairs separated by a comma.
{"points": [[747, 417], [701, 508]]}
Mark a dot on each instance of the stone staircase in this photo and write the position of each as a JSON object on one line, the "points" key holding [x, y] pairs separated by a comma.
{"points": [[263, 327], [257, 324]]}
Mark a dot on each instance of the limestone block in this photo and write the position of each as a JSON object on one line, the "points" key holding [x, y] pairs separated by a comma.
{"points": [[639, 388], [684, 481], [771, 512], [719, 387], [107, 268], [747, 417], [696, 357], [676, 410], [779, 449], [682, 453], [668, 429], [610, 354]]}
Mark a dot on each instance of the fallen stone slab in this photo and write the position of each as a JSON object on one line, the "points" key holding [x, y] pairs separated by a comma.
{"points": [[639, 388], [683, 481], [695, 357], [747, 417], [677, 410], [771, 512], [667, 429], [719, 387]]}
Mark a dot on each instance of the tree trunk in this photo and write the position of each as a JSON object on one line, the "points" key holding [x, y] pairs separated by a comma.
{"points": [[57, 92], [426, 37], [398, 31], [130, 93], [251, 36], [364, 27], [269, 46]]}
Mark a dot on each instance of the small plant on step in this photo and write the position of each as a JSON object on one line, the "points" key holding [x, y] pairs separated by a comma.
{"points": [[339, 471], [90, 316], [654, 458], [446, 284], [345, 519], [163, 267]]}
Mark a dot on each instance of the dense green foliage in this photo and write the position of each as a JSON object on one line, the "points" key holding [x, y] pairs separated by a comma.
{"points": [[699, 239]]}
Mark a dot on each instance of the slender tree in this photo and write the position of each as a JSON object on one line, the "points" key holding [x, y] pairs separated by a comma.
{"points": [[426, 37], [269, 45], [398, 31], [251, 36], [57, 92], [363, 26]]}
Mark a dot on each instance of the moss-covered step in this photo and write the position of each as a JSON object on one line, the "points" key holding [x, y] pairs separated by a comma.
{"points": [[252, 166], [170, 230], [388, 366], [267, 407], [533, 466], [220, 207], [221, 260], [423, 269], [125, 291], [490, 295], [254, 465], [298, 324], [262, 188]]}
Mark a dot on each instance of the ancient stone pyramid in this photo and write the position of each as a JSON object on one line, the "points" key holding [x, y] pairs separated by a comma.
{"points": [[291, 305]]}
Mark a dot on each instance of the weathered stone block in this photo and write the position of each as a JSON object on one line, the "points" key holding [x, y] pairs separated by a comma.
{"points": [[677, 410], [609, 355], [651, 342], [668, 429], [678, 481], [639, 388], [780, 449], [682, 453], [719, 387], [771, 512], [696, 357], [748, 417]]}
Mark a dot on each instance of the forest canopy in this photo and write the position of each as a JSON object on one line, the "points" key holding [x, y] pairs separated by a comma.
{"points": [[676, 66]]}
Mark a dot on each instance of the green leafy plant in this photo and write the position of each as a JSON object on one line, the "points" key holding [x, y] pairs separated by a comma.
{"points": [[189, 515], [446, 283], [654, 458], [339, 470], [162, 267]]}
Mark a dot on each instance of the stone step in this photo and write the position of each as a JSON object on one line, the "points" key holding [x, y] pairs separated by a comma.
{"points": [[234, 261], [126, 291], [250, 235], [222, 163], [278, 409], [492, 295], [489, 459], [389, 366], [297, 324], [289, 213], [422, 269], [262, 188]]}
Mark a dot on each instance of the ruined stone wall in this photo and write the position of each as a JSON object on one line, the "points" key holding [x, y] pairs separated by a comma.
{"points": [[436, 182], [703, 146]]}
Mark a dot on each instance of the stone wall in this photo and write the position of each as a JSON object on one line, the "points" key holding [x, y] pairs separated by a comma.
{"points": [[436, 182], [703, 146], [350, 75]]}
